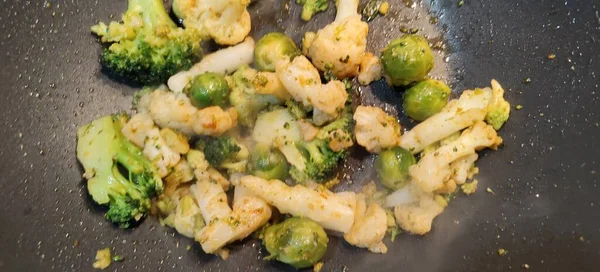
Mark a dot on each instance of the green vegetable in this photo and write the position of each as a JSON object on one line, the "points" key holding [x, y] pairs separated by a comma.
{"points": [[208, 89], [425, 99], [118, 173], [315, 160], [299, 242], [392, 167], [223, 152], [147, 47], [344, 123], [407, 59], [273, 47], [244, 98], [498, 109], [312, 160], [118, 258], [370, 10], [268, 163], [297, 110], [312, 7]]}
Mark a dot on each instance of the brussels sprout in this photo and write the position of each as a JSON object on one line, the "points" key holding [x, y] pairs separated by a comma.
{"points": [[268, 163], [299, 242], [407, 59], [271, 48], [208, 89], [392, 167], [425, 99]]}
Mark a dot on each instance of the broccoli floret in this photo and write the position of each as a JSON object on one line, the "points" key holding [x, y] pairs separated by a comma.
{"points": [[312, 160], [312, 7], [224, 152], [498, 109], [296, 109], [217, 149], [118, 173], [345, 123], [147, 47]]}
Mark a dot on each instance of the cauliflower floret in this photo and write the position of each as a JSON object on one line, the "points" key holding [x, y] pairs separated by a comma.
{"points": [[434, 168], [416, 217], [369, 228], [329, 210], [223, 224], [461, 167], [340, 46], [168, 109], [136, 129], [214, 121], [458, 114], [303, 82], [141, 131], [498, 109], [226, 21], [375, 129], [370, 69], [175, 110], [222, 61]]}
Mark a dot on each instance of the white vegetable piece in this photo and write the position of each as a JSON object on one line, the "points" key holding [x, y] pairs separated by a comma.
{"points": [[434, 168], [455, 116], [417, 217], [223, 61], [185, 216], [175, 111], [340, 46], [375, 129], [224, 225], [345, 9], [321, 205], [369, 228], [401, 196], [460, 168], [370, 69], [249, 213], [303, 82], [226, 21], [211, 199], [276, 124], [140, 130]]}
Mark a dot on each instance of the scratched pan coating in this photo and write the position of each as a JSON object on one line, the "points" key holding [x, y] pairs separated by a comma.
{"points": [[544, 209]]}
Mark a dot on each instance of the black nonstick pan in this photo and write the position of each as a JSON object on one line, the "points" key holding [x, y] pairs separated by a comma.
{"points": [[545, 206]]}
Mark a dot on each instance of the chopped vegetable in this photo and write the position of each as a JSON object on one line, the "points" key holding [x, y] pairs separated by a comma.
{"points": [[392, 167], [312, 7], [407, 59], [469, 187], [147, 47], [274, 47], [226, 21], [425, 99], [208, 89], [118, 174], [299, 242], [103, 259]]}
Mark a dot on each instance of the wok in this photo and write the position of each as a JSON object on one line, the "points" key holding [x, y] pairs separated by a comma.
{"points": [[544, 209]]}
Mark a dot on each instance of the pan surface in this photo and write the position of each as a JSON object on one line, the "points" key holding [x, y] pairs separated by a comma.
{"points": [[545, 206]]}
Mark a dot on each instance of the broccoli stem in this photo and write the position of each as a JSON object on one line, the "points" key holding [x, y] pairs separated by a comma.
{"points": [[345, 9]]}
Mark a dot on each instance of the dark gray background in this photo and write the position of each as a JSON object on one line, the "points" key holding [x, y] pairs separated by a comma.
{"points": [[545, 207]]}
